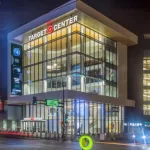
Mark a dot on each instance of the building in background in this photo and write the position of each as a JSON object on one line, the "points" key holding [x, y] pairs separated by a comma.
{"points": [[75, 54], [146, 82]]}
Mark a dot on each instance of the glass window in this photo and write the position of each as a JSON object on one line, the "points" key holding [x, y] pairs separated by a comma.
{"points": [[92, 34], [74, 43], [87, 32], [49, 37], [54, 52], [78, 27], [44, 51], [36, 53], [146, 83], [64, 31], [63, 44], [92, 44], [36, 72], [25, 46], [27, 57], [107, 57], [40, 71], [32, 73], [97, 50], [40, 41], [27, 89], [36, 43], [32, 88], [58, 33], [40, 87], [64, 67], [26, 74], [87, 46], [79, 56], [91, 117], [40, 54], [36, 87], [44, 39], [32, 44], [49, 51], [96, 36], [53, 35], [44, 70], [73, 27], [78, 44], [32, 55], [59, 50]]}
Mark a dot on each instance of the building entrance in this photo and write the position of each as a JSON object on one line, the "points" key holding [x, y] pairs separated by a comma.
{"points": [[33, 125]]}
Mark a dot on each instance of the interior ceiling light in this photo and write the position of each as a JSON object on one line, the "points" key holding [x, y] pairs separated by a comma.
{"points": [[49, 67]]}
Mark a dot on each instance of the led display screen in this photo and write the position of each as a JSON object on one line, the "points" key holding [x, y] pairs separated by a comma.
{"points": [[16, 69]]}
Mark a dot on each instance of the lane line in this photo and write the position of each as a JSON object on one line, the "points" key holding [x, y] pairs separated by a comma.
{"points": [[121, 144]]}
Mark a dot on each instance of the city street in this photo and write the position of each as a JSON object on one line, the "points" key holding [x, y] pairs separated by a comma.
{"points": [[23, 144]]}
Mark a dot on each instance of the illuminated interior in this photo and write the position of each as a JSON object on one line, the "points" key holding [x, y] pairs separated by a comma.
{"points": [[146, 85], [77, 57]]}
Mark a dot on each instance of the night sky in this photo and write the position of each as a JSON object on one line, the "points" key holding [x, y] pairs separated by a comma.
{"points": [[132, 14]]}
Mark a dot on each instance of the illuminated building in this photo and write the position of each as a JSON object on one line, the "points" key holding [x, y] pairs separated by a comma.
{"points": [[77, 49]]}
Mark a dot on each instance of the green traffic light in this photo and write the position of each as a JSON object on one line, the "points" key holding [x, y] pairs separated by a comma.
{"points": [[34, 102], [66, 118]]}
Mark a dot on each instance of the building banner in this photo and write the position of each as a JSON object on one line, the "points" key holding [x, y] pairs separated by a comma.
{"points": [[16, 69]]}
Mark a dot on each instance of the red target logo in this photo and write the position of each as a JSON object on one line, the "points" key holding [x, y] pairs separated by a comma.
{"points": [[50, 29], [32, 118]]}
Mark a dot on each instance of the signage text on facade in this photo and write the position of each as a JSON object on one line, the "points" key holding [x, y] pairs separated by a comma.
{"points": [[52, 28], [33, 119]]}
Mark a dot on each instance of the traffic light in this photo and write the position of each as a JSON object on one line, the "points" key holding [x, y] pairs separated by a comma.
{"points": [[66, 118], [34, 102]]}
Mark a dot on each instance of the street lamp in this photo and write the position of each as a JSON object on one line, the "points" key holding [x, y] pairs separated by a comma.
{"points": [[143, 137], [134, 137]]}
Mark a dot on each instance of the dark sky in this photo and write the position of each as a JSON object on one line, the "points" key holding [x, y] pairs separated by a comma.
{"points": [[14, 13], [132, 14]]}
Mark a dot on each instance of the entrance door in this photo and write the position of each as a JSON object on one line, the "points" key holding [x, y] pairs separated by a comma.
{"points": [[37, 128], [25, 126]]}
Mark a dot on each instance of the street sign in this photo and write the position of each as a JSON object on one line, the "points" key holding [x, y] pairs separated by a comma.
{"points": [[51, 102]]}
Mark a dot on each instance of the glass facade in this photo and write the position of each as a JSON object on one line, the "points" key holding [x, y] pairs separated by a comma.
{"points": [[72, 58], [83, 117], [146, 83], [80, 58]]}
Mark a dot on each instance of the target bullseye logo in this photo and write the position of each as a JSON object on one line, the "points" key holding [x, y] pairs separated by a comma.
{"points": [[32, 118], [50, 29]]}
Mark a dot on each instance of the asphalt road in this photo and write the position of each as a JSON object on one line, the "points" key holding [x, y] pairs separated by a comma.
{"points": [[24, 144]]}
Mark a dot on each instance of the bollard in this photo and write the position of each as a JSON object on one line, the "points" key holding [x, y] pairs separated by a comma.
{"points": [[50, 134], [36, 134], [32, 134], [26, 134], [55, 134], [45, 134]]}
